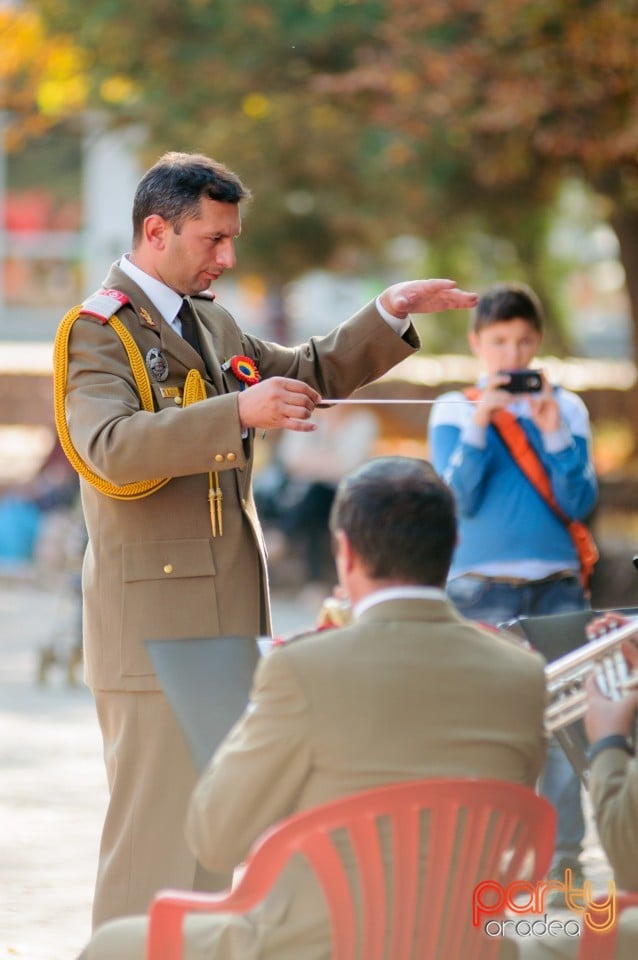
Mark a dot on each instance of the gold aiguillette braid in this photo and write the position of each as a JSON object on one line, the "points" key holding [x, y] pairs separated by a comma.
{"points": [[194, 390]]}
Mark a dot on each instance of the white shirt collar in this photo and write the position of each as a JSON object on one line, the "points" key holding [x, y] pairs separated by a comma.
{"points": [[167, 301], [397, 593]]}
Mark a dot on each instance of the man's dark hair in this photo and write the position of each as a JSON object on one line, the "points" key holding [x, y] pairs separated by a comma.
{"points": [[508, 301], [174, 186], [400, 519]]}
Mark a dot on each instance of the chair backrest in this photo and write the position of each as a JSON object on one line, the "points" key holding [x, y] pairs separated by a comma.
{"points": [[445, 837], [430, 842]]}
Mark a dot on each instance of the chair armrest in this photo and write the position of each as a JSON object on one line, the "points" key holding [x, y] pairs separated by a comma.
{"points": [[169, 907], [165, 937], [595, 944]]}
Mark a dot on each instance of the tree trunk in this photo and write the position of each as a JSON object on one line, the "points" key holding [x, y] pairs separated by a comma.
{"points": [[624, 221]]}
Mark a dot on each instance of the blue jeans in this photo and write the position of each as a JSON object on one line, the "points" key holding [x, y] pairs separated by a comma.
{"points": [[496, 603]]}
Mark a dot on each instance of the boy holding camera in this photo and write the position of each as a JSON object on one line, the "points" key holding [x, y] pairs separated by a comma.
{"points": [[516, 452], [516, 556]]}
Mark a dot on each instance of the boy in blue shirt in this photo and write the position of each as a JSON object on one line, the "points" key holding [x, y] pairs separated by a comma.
{"points": [[515, 555]]}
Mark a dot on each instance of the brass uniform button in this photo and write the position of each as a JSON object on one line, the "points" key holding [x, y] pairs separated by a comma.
{"points": [[168, 568], [219, 457], [178, 401], [244, 502], [231, 457]]}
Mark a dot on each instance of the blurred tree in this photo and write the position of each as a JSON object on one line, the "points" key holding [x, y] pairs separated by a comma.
{"points": [[42, 76], [249, 83], [355, 121], [236, 80], [496, 101]]}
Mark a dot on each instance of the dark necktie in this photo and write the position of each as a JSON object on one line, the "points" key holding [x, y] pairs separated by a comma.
{"points": [[189, 329]]}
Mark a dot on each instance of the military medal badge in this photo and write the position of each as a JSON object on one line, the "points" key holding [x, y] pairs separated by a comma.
{"points": [[244, 368], [157, 364]]}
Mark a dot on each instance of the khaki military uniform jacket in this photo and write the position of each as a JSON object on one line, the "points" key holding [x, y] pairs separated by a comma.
{"points": [[152, 568], [613, 789]]}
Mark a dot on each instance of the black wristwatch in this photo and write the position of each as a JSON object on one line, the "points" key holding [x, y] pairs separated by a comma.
{"points": [[606, 743]]}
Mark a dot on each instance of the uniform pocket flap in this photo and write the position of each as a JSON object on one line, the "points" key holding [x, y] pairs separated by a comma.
{"points": [[167, 559]]}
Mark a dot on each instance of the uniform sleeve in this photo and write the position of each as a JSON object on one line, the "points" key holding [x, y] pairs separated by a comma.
{"points": [[257, 774], [614, 794], [356, 352]]}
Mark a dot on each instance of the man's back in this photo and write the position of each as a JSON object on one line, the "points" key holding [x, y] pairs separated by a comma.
{"points": [[410, 690]]}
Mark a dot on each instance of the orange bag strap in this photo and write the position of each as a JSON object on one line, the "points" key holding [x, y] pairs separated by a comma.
{"points": [[528, 461]]}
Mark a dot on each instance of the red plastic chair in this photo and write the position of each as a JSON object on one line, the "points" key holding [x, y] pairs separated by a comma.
{"points": [[602, 946], [489, 827]]}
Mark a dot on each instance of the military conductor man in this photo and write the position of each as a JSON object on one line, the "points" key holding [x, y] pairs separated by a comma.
{"points": [[158, 395]]}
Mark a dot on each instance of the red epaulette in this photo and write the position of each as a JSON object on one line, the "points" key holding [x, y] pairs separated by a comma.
{"points": [[103, 304]]}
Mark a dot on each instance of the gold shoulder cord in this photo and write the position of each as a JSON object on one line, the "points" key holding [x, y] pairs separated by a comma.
{"points": [[194, 390]]}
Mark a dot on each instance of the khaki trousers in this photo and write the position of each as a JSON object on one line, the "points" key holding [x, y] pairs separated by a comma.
{"points": [[150, 778]]}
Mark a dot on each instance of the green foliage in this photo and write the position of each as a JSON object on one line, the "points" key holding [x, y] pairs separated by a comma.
{"points": [[355, 121]]}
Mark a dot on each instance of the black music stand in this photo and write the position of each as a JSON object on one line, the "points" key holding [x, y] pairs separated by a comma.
{"points": [[207, 682], [555, 635]]}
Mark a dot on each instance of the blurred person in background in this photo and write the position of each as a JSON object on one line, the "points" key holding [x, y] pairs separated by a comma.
{"points": [[312, 465]]}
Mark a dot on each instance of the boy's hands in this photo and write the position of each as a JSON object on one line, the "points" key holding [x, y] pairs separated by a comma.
{"points": [[544, 409], [493, 397]]}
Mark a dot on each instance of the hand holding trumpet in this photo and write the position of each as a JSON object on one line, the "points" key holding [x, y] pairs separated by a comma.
{"points": [[606, 716]]}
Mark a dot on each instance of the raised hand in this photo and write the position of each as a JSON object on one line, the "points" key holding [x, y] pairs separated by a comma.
{"points": [[426, 296]]}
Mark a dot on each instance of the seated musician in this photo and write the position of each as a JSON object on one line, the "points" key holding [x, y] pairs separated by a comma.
{"points": [[613, 789], [408, 689]]}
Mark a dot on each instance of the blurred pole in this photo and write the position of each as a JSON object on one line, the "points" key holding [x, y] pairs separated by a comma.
{"points": [[111, 172]]}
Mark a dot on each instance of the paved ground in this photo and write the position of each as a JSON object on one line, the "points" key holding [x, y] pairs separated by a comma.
{"points": [[52, 787]]}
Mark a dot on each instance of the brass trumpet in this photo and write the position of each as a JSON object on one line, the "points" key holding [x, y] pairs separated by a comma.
{"points": [[566, 676]]}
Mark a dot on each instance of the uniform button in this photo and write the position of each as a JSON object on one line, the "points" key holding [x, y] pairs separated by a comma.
{"points": [[168, 568], [244, 502], [218, 457], [178, 401], [231, 456]]}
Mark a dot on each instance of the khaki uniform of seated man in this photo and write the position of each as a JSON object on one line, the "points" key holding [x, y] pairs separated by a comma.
{"points": [[409, 689], [613, 788]]}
